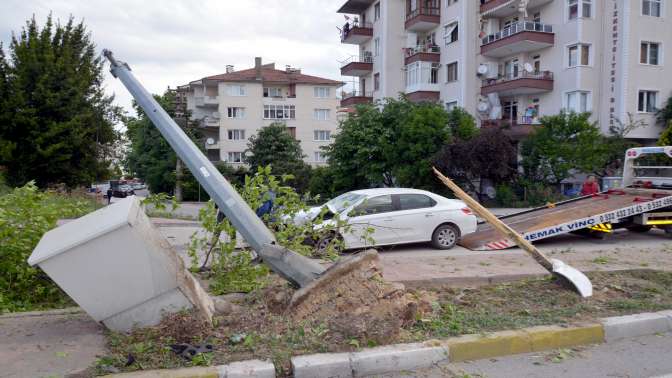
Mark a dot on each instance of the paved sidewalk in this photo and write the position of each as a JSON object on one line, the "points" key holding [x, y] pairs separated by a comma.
{"points": [[48, 344]]}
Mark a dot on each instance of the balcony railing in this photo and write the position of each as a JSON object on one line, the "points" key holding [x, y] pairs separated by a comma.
{"points": [[358, 65], [541, 75], [365, 57], [206, 100], [430, 11], [210, 122], [358, 29], [424, 53], [347, 95], [516, 28], [356, 97], [429, 49]]}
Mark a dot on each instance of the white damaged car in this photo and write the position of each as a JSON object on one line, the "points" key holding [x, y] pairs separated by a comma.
{"points": [[396, 216]]}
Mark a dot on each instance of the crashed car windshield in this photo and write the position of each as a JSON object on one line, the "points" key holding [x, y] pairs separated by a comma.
{"points": [[340, 203]]}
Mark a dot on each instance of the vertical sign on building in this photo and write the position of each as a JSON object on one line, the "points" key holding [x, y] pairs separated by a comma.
{"points": [[612, 76]]}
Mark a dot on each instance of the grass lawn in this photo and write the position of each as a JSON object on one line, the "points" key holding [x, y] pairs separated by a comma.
{"points": [[259, 330]]}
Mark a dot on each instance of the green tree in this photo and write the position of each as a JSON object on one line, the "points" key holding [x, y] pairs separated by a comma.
{"points": [[462, 124], [470, 161], [666, 136], [664, 115], [56, 123], [564, 142], [275, 146], [151, 158], [391, 143]]}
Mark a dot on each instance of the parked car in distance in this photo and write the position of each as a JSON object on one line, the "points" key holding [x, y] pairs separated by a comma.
{"points": [[396, 215], [138, 186]]}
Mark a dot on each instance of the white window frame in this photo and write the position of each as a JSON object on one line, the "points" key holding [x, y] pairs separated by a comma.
{"points": [[448, 30], [235, 134], [376, 11], [655, 106], [376, 46], [661, 8], [236, 90], [321, 135], [319, 157], [231, 154], [580, 7], [322, 92], [579, 57], [322, 114], [578, 92], [450, 105], [660, 53], [450, 2], [287, 111], [235, 112], [457, 72], [273, 92]]}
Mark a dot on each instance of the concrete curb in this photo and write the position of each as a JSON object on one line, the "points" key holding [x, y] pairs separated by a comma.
{"points": [[409, 357], [242, 369]]}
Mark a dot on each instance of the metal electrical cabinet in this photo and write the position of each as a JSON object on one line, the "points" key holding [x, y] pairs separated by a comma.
{"points": [[118, 268]]}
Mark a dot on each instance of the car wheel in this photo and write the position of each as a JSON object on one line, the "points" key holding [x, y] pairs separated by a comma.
{"points": [[323, 243], [445, 236], [639, 228]]}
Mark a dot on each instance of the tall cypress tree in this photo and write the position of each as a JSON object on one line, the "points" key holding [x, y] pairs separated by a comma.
{"points": [[56, 123]]}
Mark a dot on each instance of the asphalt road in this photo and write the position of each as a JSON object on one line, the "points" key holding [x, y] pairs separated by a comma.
{"points": [[642, 357]]}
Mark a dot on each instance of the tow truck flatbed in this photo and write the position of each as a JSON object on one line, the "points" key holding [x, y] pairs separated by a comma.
{"points": [[569, 216]]}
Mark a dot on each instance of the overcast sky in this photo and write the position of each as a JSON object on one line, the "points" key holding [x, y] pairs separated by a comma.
{"points": [[171, 42]]}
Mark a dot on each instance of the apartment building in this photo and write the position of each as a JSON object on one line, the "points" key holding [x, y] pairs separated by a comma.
{"points": [[231, 107], [509, 62]]}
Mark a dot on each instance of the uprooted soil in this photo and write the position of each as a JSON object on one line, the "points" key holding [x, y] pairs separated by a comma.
{"points": [[261, 328]]}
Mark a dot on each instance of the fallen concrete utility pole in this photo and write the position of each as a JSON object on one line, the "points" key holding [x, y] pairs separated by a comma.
{"points": [[294, 267], [578, 279], [350, 295]]}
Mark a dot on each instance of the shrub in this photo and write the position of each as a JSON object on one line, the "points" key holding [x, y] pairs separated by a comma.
{"points": [[234, 270], [25, 215]]}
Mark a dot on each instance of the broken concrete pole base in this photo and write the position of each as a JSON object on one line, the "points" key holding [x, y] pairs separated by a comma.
{"points": [[119, 268], [353, 299]]}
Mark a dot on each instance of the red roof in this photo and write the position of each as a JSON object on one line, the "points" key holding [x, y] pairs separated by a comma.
{"points": [[270, 74]]}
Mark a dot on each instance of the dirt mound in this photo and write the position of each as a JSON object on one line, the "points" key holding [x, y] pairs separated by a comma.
{"points": [[353, 299]]}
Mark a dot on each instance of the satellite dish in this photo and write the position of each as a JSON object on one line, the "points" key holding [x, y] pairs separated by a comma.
{"points": [[528, 67], [483, 106], [210, 141], [482, 69]]}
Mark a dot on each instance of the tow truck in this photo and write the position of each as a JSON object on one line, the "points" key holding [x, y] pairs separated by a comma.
{"points": [[643, 201]]}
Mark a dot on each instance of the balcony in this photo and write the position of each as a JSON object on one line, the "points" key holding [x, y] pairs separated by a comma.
{"points": [[424, 96], [423, 54], [355, 98], [514, 129], [423, 19], [506, 8], [210, 122], [422, 81], [358, 65], [523, 83], [206, 101], [520, 37], [212, 146], [356, 33], [356, 6]]}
